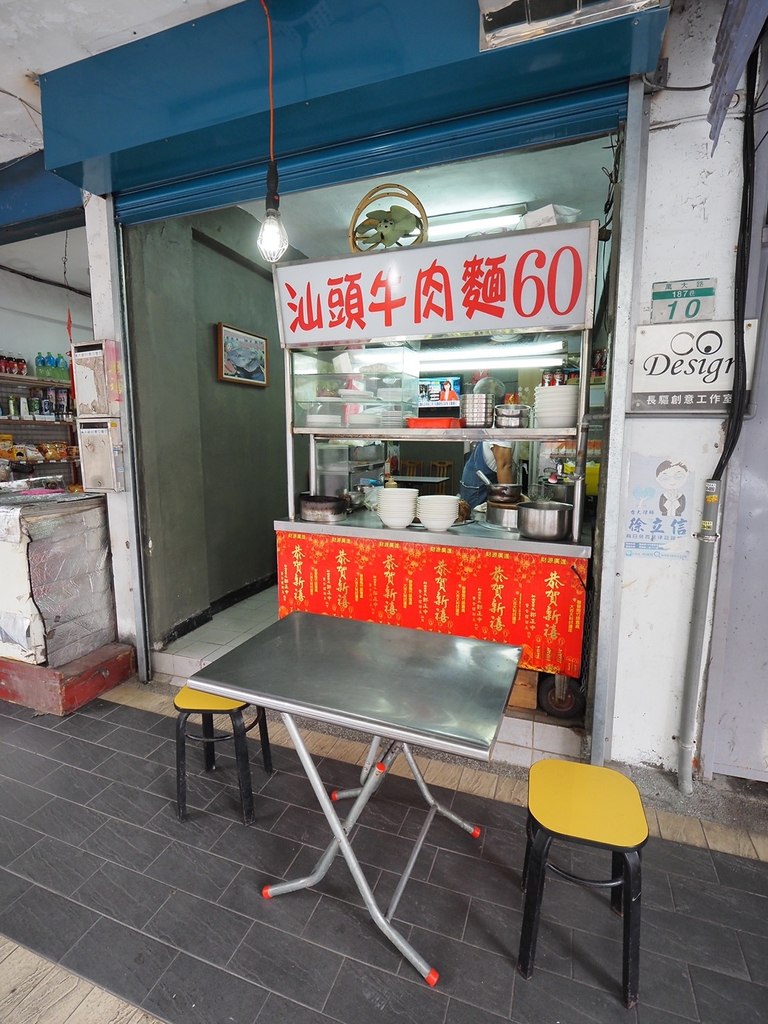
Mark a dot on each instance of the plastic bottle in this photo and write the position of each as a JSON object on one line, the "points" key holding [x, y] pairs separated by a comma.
{"points": [[62, 368], [3, 364], [39, 365], [21, 363], [50, 366]]}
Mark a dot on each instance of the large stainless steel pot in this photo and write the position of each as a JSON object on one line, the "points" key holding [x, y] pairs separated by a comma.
{"points": [[504, 493], [544, 520], [512, 415], [498, 514], [322, 508], [509, 493]]}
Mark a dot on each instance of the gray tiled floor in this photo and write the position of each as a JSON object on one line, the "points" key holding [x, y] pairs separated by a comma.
{"points": [[97, 875]]}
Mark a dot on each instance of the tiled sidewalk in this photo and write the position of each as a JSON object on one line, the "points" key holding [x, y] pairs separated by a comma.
{"points": [[97, 876]]}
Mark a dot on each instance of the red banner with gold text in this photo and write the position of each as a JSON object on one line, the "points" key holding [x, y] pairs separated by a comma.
{"points": [[532, 601]]}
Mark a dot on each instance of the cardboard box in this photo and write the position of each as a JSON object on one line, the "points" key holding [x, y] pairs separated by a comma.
{"points": [[525, 691]]}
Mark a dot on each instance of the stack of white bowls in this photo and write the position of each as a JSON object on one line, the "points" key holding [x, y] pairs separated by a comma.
{"points": [[556, 406], [397, 506], [437, 511]]}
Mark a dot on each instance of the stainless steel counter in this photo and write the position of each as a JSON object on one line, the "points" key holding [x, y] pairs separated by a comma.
{"points": [[363, 523]]}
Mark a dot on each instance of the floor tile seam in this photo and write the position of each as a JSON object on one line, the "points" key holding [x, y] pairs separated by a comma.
{"points": [[690, 963], [63, 970], [53, 966], [501, 797], [342, 961], [71, 897], [79, 847], [192, 956], [762, 984], [718, 881], [100, 915], [105, 987], [342, 956]]}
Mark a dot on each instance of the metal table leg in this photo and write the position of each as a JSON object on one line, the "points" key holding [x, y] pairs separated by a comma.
{"points": [[342, 843]]}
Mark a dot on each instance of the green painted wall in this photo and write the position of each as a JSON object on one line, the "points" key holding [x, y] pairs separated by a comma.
{"points": [[211, 453]]}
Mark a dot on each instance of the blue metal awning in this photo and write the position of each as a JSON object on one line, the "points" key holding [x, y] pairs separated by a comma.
{"points": [[35, 202], [184, 114]]}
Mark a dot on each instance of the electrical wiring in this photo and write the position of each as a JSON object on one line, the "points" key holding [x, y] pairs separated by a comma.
{"points": [[739, 391], [28, 107], [674, 88]]}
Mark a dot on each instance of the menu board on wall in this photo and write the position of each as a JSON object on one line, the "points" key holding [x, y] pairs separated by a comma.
{"points": [[542, 279]]}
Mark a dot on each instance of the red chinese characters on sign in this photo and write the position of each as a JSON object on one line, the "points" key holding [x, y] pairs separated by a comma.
{"points": [[346, 304], [484, 286], [433, 294], [309, 312], [530, 279], [535, 602]]}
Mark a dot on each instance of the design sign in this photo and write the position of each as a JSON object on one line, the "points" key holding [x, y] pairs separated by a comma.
{"points": [[536, 280], [688, 368]]}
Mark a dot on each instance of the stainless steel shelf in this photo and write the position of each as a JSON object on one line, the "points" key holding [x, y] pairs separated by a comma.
{"points": [[459, 434]]}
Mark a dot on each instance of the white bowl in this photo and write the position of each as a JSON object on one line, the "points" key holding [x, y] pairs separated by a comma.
{"points": [[394, 498], [434, 513], [555, 410], [396, 521], [557, 395], [540, 402], [437, 525], [397, 507], [438, 500]]}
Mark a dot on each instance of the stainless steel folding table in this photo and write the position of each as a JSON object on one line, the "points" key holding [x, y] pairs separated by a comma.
{"points": [[401, 686]]}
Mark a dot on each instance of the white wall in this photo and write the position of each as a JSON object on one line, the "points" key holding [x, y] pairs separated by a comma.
{"points": [[33, 317], [691, 219]]}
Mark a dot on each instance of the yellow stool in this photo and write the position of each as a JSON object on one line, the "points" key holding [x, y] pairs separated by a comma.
{"points": [[582, 803], [194, 702]]}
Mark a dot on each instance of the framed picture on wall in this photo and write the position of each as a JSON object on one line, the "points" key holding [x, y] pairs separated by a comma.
{"points": [[242, 357]]}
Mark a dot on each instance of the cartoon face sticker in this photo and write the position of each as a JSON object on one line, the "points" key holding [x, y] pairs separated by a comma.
{"points": [[671, 478]]}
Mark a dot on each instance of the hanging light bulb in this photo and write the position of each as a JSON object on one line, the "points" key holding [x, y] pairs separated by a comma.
{"points": [[273, 239]]}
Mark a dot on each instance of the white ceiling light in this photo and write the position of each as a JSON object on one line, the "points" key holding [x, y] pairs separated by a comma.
{"points": [[481, 353], [443, 226], [505, 363]]}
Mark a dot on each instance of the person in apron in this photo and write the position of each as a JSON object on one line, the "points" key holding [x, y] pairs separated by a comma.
{"points": [[494, 458]]}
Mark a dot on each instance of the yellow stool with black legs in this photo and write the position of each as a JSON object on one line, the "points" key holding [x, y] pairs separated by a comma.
{"points": [[193, 702], [593, 806]]}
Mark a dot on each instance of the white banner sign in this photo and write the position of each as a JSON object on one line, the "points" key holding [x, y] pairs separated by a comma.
{"points": [[688, 367], [535, 280]]}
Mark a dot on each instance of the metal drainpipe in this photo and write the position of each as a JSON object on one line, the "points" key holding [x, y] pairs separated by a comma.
{"points": [[707, 537]]}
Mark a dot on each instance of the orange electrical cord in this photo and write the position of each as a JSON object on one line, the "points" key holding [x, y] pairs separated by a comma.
{"points": [[271, 95]]}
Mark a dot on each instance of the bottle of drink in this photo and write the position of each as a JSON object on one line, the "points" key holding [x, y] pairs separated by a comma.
{"points": [[39, 365], [50, 366], [62, 369], [3, 364], [11, 364], [21, 363]]}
